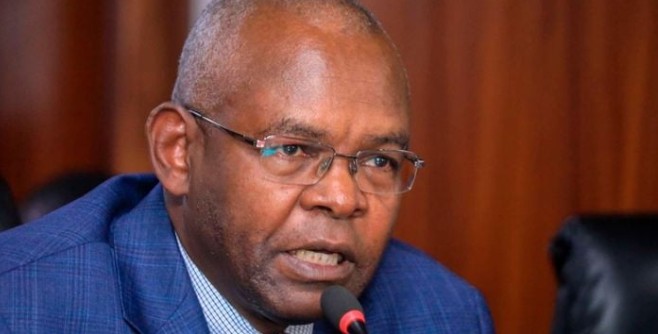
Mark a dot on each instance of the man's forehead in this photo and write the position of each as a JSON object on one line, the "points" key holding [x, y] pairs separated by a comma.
{"points": [[308, 60], [286, 68], [235, 43]]}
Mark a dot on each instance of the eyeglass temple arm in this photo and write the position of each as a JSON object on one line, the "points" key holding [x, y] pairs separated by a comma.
{"points": [[234, 134]]}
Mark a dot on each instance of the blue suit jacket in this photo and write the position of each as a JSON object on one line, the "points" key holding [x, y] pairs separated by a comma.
{"points": [[109, 263]]}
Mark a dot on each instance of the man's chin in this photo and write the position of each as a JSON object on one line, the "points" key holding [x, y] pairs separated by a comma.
{"points": [[290, 301], [293, 308]]}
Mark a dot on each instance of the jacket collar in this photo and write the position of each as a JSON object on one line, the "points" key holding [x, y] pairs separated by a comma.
{"points": [[156, 292]]}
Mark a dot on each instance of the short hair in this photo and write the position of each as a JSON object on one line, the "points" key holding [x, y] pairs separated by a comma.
{"points": [[204, 73]]}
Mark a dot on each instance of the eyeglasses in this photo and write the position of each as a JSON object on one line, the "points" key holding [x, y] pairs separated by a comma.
{"points": [[297, 161]]}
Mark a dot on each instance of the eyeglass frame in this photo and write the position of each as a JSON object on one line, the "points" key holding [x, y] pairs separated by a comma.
{"points": [[259, 144]]}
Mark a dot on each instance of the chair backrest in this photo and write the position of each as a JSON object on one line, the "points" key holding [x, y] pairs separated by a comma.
{"points": [[607, 274], [58, 192], [8, 210]]}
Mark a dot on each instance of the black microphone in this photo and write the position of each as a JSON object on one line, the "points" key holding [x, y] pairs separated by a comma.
{"points": [[342, 310]]}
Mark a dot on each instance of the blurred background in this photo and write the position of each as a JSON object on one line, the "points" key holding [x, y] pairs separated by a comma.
{"points": [[526, 111]]}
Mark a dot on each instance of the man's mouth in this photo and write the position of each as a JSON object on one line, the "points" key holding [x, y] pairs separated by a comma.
{"points": [[317, 262], [318, 257]]}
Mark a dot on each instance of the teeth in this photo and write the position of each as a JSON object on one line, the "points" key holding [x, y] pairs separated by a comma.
{"points": [[330, 259]]}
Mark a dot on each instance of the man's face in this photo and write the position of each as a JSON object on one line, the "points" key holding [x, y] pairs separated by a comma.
{"points": [[271, 248]]}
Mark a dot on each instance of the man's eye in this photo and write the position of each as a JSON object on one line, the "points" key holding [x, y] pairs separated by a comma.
{"points": [[290, 150], [381, 161]]}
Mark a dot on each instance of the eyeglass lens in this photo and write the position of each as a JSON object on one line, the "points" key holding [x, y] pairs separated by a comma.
{"points": [[295, 161]]}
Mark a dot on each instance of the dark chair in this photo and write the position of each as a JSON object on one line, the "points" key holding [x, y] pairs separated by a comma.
{"points": [[58, 192], [607, 274], [8, 212]]}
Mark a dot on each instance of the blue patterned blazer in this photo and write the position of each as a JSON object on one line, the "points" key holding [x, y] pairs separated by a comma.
{"points": [[109, 263]]}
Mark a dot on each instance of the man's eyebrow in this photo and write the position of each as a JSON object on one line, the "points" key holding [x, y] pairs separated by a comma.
{"points": [[291, 127], [398, 139]]}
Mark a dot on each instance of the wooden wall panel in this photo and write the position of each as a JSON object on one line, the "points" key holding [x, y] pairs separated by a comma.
{"points": [[78, 79], [615, 96], [526, 112], [52, 104], [148, 39]]}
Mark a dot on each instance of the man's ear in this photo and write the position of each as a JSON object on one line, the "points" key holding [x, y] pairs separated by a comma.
{"points": [[170, 131]]}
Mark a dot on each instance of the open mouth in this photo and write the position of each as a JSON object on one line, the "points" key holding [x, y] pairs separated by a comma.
{"points": [[317, 262], [318, 257]]}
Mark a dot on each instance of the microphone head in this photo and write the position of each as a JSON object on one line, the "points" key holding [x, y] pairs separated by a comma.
{"points": [[342, 309]]}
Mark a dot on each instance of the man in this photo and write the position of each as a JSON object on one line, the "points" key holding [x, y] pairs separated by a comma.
{"points": [[280, 162]]}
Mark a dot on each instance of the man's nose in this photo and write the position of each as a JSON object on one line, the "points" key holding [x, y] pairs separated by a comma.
{"points": [[337, 192]]}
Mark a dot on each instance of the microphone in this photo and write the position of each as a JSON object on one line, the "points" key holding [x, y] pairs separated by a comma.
{"points": [[342, 310]]}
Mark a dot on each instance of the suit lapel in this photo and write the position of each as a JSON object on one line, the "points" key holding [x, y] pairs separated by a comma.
{"points": [[156, 292]]}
